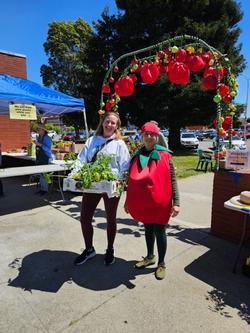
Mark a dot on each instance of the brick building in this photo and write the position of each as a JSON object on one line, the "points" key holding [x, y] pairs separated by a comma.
{"points": [[13, 133]]}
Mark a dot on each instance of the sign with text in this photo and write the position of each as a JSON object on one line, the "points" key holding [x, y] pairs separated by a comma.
{"points": [[22, 111], [237, 159]]}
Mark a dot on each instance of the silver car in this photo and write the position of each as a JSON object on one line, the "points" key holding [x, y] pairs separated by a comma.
{"points": [[189, 140]]}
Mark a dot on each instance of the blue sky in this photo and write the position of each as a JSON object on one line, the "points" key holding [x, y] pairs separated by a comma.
{"points": [[24, 27]]}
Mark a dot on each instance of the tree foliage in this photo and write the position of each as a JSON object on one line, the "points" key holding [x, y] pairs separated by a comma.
{"points": [[80, 57], [68, 69]]}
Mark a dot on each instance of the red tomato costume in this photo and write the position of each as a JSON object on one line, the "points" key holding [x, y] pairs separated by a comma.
{"points": [[149, 193]]}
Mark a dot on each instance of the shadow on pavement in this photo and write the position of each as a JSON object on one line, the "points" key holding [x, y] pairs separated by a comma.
{"points": [[20, 195], [48, 270], [215, 269]]}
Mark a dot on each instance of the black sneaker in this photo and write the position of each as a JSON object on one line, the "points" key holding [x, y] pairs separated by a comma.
{"points": [[109, 257], [86, 255]]}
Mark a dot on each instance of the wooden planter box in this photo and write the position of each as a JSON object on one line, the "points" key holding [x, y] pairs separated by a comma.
{"points": [[226, 223]]}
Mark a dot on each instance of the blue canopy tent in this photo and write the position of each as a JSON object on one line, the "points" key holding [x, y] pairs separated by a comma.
{"points": [[48, 102]]}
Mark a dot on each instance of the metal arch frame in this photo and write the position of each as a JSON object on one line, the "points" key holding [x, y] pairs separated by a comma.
{"points": [[196, 41]]}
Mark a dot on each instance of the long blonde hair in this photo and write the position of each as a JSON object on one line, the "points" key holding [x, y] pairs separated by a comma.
{"points": [[99, 129]]}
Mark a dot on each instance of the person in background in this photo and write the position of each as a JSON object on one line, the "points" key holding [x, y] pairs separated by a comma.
{"points": [[152, 195], [161, 138], [43, 155], [106, 140]]}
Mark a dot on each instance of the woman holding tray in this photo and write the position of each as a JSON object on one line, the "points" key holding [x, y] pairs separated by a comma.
{"points": [[107, 140]]}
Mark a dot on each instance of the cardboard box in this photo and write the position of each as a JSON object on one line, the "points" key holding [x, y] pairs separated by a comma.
{"points": [[77, 147], [104, 186]]}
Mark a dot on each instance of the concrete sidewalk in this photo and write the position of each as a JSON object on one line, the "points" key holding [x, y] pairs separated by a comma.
{"points": [[41, 290]]}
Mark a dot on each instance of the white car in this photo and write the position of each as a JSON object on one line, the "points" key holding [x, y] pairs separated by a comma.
{"points": [[237, 142], [189, 140]]}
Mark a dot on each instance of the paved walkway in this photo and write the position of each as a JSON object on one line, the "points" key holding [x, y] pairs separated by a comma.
{"points": [[41, 291]]}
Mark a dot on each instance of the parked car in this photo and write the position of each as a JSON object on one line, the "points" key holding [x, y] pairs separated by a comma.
{"points": [[199, 135], [165, 132], [210, 133], [237, 142], [189, 140], [130, 135]]}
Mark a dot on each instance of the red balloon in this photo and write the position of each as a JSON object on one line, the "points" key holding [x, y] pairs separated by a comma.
{"points": [[181, 55], [178, 73], [124, 86], [213, 71], [224, 89], [106, 89], [197, 64], [225, 126], [227, 99], [209, 82], [149, 73], [189, 59], [228, 120], [206, 56], [108, 106]]}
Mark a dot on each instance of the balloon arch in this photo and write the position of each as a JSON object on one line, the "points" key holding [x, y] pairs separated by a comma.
{"points": [[176, 58]]}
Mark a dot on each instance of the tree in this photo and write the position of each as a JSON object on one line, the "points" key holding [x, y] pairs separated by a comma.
{"points": [[68, 70], [140, 24]]}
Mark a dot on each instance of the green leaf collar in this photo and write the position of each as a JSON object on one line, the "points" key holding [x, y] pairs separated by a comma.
{"points": [[153, 155]]}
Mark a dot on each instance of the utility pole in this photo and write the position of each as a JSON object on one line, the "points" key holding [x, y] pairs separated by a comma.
{"points": [[246, 104]]}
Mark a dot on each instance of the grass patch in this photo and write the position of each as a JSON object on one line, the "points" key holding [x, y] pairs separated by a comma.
{"points": [[185, 163]]}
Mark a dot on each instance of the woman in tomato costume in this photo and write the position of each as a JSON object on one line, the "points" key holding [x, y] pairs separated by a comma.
{"points": [[152, 195]]}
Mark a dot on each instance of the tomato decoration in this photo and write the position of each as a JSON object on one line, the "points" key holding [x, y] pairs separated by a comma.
{"points": [[178, 73], [111, 79], [149, 73], [206, 56], [108, 106], [227, 99], [197, 64], [124, 86], [223, 89], [181, 55], [106, 89]]}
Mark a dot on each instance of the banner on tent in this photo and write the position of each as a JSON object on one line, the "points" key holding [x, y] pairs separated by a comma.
{"points": [[22, 111]]}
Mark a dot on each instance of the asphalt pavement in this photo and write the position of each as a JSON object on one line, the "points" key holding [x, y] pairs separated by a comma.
{"points": [[41, 290]]}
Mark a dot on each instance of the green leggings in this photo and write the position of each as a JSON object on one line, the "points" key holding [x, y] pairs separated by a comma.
{"points": [[157, 231]]}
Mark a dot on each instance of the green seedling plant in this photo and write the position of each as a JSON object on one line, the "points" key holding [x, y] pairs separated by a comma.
{"points": [[95, 172]]}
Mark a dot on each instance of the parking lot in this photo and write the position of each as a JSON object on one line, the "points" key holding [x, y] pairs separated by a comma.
{"points": [[207, 144]]}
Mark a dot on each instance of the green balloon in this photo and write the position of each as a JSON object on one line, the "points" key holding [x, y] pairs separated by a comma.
{"points": [[217, 98], [174, 49], [233, 93]]}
